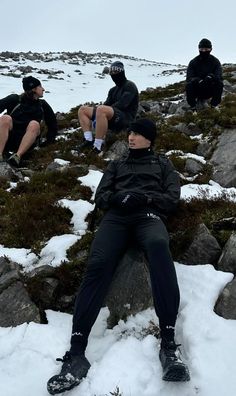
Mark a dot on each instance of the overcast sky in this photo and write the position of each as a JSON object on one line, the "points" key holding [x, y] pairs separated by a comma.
{"points": [[161, 30]]}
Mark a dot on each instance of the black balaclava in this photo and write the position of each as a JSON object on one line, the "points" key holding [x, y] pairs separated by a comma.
{"points": [[117, 73], [204, 43]]}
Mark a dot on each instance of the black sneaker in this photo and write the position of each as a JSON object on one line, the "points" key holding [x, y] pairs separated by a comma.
{"points": [[173, 367], [97, 152], [14, 160], [85, 146], [74, 369]]}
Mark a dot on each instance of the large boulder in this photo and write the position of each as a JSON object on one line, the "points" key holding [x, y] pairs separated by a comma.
{"points": [[204, 248], [227, 260], [226, 303], [16, 306], [224, 159], [130, 291]]}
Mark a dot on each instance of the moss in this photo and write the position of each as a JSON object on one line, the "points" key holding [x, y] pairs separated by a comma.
{"points": [[160, 93]]}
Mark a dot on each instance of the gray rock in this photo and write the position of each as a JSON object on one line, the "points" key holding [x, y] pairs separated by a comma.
{"points": [[227, 260], [16, 306], [193, 167], [226, 303], [130, 291], [204, 248], [224, 159]]}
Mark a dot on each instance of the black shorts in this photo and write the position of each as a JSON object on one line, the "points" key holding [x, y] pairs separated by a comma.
{"points": [[15, 138], [118, 122]]}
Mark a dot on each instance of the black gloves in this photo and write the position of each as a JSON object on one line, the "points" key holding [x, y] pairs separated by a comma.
{"points": [[128, 200]]}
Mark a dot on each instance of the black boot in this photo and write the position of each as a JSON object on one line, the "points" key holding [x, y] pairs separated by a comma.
{"points": [[74, 369], [84, 146], [173, 367]]}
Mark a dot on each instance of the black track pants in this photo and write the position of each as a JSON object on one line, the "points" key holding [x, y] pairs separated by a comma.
{"points": [[213, 90], [109, 245]]}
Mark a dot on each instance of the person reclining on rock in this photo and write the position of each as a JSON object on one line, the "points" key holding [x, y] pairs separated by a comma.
{"points": [[137, 193], [116, 113], [204, 78], [20, 126]]}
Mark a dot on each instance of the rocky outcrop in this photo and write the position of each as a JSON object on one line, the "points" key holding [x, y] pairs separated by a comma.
{"points": [[224, 159], [16, 306], [204, 248]]}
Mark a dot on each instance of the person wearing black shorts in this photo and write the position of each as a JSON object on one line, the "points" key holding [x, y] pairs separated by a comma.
{"points": [[116, 113], [20, 126]]}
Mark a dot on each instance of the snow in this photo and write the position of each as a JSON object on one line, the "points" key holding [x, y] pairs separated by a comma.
{"points": [[124, 357], [70, 88]]}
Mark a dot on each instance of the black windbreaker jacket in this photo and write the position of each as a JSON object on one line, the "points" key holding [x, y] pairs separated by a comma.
{"points": [[124, 97], [23, 110], [152, 175], [200, 68]]}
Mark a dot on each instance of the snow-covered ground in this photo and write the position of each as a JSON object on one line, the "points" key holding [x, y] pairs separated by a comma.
{"points": [[84, 82], [123, 358]]}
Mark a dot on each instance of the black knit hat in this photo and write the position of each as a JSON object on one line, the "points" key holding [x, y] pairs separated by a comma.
{"points": [[116, 67], [144, 127], [205, 43], [30, 83]]}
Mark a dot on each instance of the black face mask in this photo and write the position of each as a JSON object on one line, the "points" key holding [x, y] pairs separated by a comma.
{"points": [[204, 54], [119, 78]]}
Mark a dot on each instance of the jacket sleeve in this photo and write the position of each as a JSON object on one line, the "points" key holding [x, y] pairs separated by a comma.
{"points": [[128, 95], [106, 187], [8, 103], [218, 71], [50, 121], [191, 73], [167, 200], [108, 101]]}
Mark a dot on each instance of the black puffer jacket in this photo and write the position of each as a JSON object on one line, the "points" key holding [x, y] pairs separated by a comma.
{"points": [[151, 174], [23, 110], [200, 68], [124, 97]]}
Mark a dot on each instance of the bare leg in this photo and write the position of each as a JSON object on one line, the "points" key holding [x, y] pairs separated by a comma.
{"points": [[103, 115], [5, 127], [85, 115], [30, 136]]}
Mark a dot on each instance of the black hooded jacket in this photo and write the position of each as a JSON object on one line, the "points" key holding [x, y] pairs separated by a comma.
{"points": [[199, 68], [124, 97], [23, 110], [152, 175]]}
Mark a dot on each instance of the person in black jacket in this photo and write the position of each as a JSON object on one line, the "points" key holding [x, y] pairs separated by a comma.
{"points": [[204, 78], [116, 113], [137, 192], [20, 126]]}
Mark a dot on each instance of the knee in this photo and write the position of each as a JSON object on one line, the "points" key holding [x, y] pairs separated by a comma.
{"points": [[101, 111], [6, 120], [158, 243], [34, 127], [83, 111]]}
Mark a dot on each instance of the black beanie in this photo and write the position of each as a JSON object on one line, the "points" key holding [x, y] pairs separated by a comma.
{"points": [[144, 127], [205, 43], [116, 67], [30, 83]]}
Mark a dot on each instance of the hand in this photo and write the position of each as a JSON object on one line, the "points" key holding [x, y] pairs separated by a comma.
{"points": [[128, 200]]}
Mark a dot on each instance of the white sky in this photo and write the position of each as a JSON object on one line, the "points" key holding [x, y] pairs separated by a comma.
{"points": [[123, 357], [161, 30]]}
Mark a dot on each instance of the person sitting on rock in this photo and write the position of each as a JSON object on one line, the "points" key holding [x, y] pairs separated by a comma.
{"points": [[20, 126], [116, 113], [204, 78], [137, 192]]}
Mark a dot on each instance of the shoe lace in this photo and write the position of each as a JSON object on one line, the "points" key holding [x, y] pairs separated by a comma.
{"points": [[172, 351], [65, 358]]}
